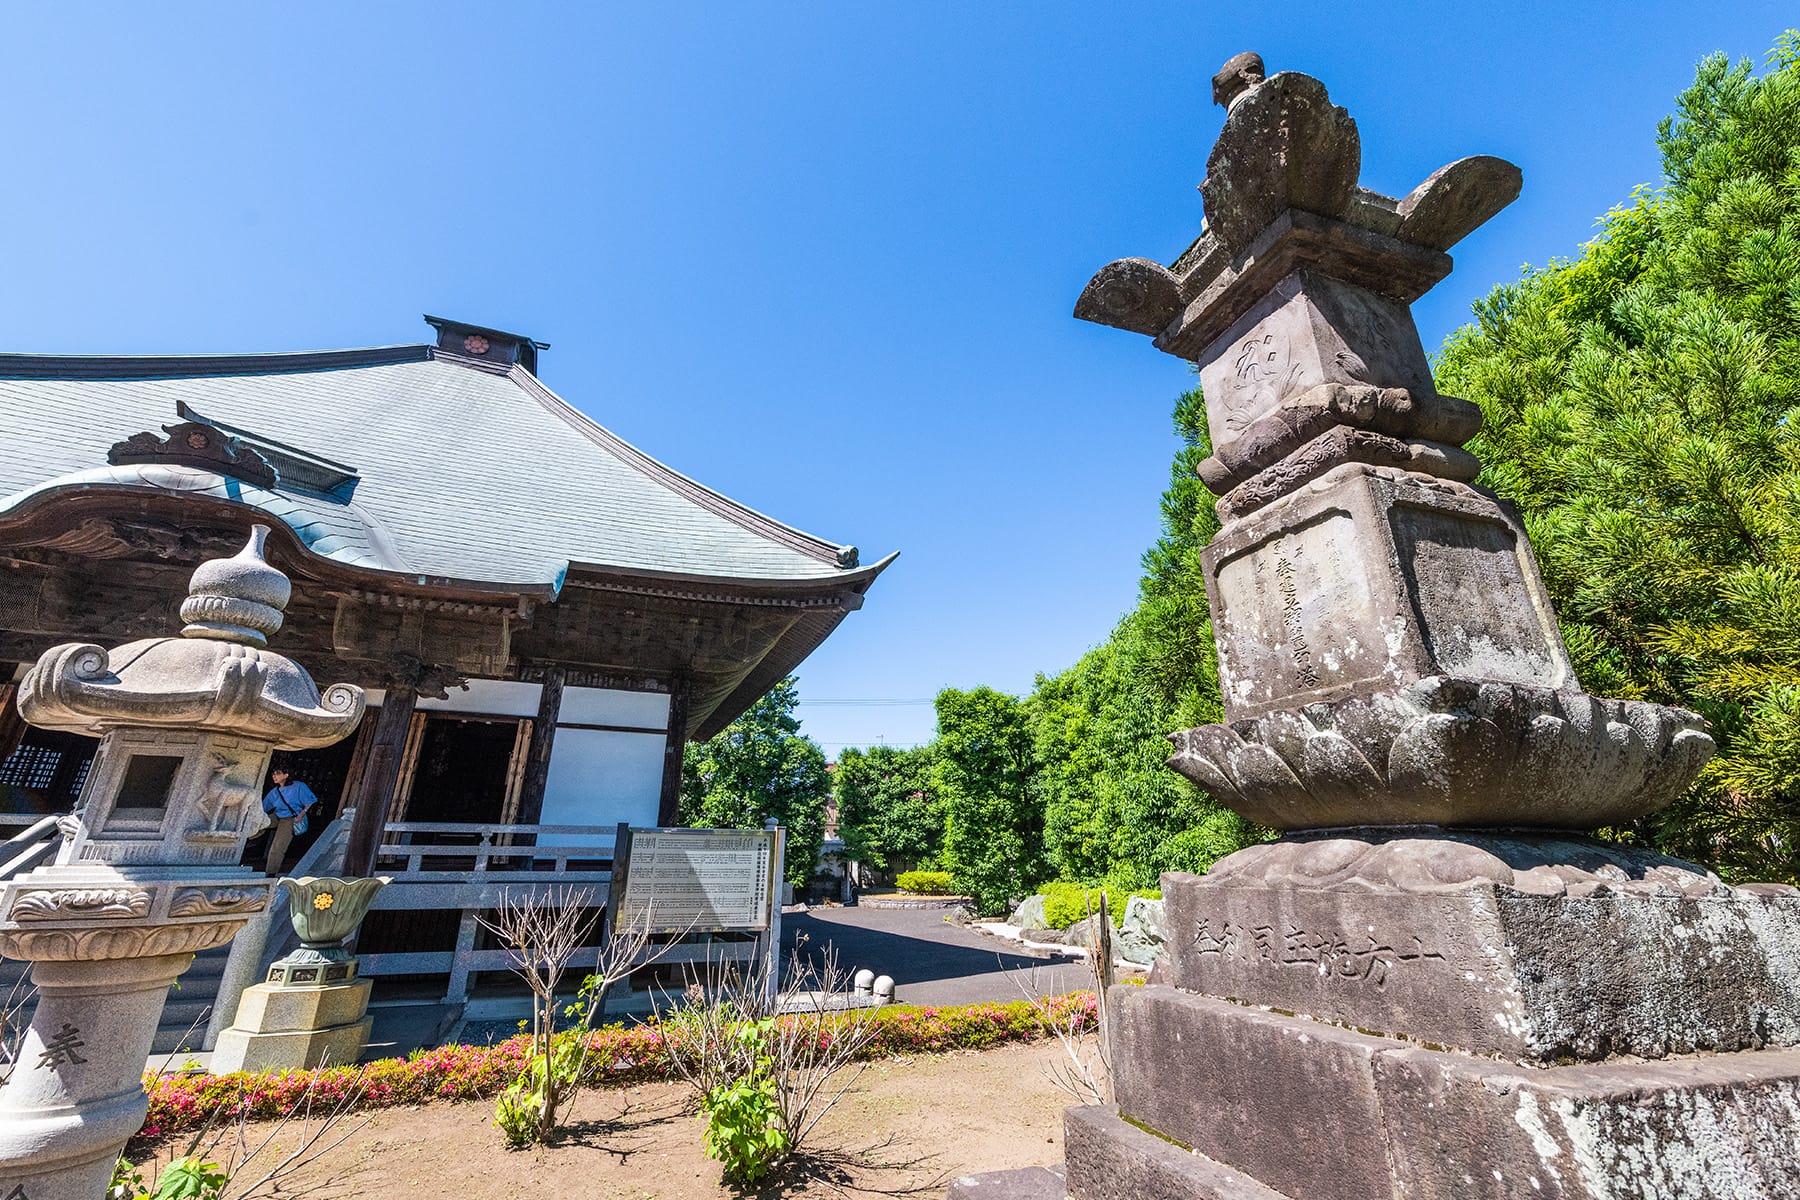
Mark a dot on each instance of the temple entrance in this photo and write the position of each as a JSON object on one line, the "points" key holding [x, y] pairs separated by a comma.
{"points": [[465, 769]]}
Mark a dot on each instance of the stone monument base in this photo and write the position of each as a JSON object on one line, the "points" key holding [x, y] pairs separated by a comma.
{"points": [[281, 1028]]}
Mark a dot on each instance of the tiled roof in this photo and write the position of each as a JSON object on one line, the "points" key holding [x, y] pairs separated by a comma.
{"points": [[463, 469]]}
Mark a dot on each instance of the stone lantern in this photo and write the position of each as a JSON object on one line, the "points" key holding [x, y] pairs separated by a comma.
{"points": [[148, 873]]}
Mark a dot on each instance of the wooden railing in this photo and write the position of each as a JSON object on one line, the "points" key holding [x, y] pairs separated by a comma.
{"points": [[448, 865]]}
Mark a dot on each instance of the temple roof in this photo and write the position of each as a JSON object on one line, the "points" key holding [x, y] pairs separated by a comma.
{"points": [[465, 469]]}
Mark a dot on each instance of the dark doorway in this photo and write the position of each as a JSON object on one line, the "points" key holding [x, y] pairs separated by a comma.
{"points": [[326, 770], [463, 769]]}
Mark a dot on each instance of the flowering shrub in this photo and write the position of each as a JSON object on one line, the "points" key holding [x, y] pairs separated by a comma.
{"points": [[617, 1055]]}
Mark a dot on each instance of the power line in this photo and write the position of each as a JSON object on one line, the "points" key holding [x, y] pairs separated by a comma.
{"points": [[857, 703]]}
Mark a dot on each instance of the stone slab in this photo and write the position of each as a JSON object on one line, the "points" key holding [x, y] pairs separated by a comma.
{"points": [[270, 1008], [1323, 1113], [1532, 949], [1112, 1159], [1023, 1183], [241, 1050], [1364, 581]]}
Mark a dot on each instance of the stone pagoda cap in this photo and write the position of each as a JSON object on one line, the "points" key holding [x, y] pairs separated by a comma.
{"points": [[215, 677], [1281, 194]]}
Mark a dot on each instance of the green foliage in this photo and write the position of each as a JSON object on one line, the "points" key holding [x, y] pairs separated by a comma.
{"points": [[760, 766], [1643, 411], [926, 883], [188, 1178], [1067, 903], [983, 770], [525, 1111], [888, 813], [744, 1129]]}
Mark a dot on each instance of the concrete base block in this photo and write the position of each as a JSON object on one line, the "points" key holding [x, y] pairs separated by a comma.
{"points": [[1111, 1159], [244, 1050], [1322, 1113], [270, 1008]]}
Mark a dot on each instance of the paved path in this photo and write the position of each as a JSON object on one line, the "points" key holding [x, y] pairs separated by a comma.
{"points": [[931, 960]]}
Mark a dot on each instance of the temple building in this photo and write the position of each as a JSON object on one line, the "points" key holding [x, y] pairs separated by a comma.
{"points": [[544, 613]]}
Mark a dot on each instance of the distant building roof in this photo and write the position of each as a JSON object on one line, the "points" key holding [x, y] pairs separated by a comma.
{"points": [[465, 468]]}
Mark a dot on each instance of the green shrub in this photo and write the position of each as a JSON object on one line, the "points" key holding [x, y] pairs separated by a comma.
{"points": [[928, 883], [1067, 903], [743, 1118]]}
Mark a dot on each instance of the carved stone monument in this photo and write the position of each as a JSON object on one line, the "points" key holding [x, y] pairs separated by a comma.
{"points": [[1433, 986], [148, 874]]}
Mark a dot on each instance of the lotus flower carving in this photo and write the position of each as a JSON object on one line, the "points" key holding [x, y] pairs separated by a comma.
{"points": [[1446, 751]]}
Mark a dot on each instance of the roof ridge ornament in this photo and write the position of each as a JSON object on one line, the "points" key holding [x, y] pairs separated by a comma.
{"points": [[195, 444]]}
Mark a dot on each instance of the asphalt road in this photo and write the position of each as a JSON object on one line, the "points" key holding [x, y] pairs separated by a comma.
{"points": [[931, 960]]}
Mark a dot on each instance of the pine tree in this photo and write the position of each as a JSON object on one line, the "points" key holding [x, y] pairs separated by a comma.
{"points": [[1641, 405]]}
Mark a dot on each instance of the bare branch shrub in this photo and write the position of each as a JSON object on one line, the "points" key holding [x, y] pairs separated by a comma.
{"points": [[545, 931], [13, 1009], [225, 1161], [1085, 1070]]}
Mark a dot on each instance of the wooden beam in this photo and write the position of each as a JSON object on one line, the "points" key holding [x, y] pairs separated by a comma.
{"points": [[381, 772], [543, 737], [672, 754]]}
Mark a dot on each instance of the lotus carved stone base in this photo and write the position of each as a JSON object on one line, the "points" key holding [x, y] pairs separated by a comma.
{"points": [[1446, 751]]}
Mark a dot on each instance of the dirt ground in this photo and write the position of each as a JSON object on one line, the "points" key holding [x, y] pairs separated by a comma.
{"points": [[907, 1128]]}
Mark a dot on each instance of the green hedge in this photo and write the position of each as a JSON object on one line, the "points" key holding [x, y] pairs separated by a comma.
{"points": [[1067, 903], [928, 883]]}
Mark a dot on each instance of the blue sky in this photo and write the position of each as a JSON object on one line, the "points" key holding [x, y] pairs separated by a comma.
{"points": [[821, 258]]}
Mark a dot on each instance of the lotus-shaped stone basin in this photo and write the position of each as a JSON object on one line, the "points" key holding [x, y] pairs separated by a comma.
{"points": [[325, 911]]}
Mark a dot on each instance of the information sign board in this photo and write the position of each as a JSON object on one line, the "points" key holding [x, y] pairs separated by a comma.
{"points": [[698, 879]]}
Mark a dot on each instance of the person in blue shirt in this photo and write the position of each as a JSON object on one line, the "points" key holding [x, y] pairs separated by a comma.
{"points": [[287, 803]]}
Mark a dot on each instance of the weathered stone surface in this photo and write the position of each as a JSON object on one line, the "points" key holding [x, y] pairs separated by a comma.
{"points": [[1111, 1159], [1449, 752], [1285, 145], [1308, 330], [1222, 286], [1457, 199], [1298, 419], [1367, 580], [1337, 446], [1029, 914], [1142, 937], [1251, 1090], [1024, 1183], [1134, 294], [1532, 949], [1322, 1113]]}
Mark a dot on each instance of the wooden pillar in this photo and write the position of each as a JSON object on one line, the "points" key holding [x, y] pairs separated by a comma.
{"points": [[672, 754], [381, 772], [537, 756], [12, 725]]}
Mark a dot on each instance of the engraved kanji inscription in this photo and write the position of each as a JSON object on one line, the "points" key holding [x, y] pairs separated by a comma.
{"points": [[61, 1048]]}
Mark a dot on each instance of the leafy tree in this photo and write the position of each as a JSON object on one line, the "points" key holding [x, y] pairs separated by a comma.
{"points": [[1641, 406], [761, 766], [983, 770], [888, 811], [1112, 809]]}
